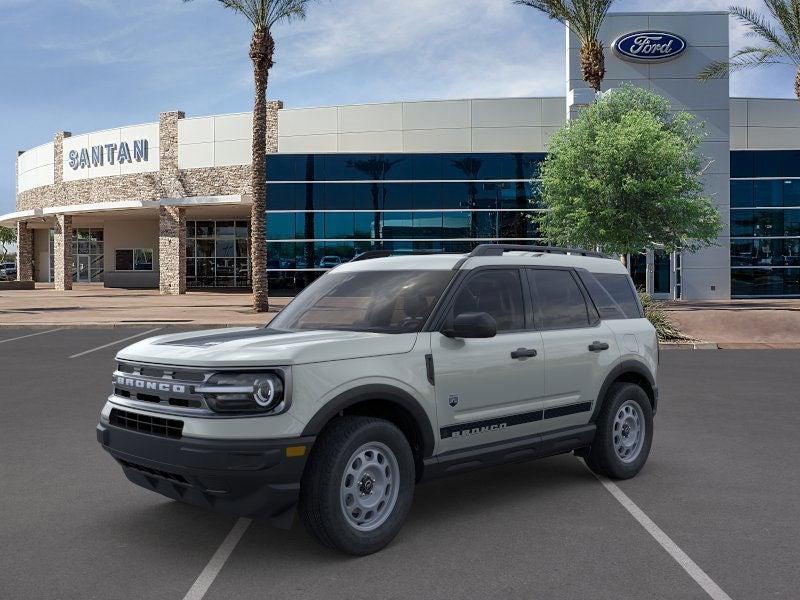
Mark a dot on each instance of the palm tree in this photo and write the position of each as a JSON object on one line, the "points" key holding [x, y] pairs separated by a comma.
{"points": [[262, 15], [780, 41], [584, 19]]}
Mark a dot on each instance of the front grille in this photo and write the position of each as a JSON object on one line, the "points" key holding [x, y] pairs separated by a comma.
{"points": [[170, 428], [165, 386], [157, 472]]}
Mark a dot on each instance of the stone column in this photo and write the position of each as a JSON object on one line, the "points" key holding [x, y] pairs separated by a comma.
{"points": [[62, 250], [24, 252], [171, 184], [273, 106], [171, 250]]}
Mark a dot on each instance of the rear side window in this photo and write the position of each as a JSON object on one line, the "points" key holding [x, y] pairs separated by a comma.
{"points": [[612, 294], [559, 300]]}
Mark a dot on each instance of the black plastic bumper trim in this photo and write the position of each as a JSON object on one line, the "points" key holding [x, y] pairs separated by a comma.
{"points": [[249, 478]]}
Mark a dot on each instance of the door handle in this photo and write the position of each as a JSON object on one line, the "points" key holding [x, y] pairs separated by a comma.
{"points": [[597, 346], [523, 353]]}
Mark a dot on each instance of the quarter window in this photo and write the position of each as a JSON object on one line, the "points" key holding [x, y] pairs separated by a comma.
{"points": [[560, 301], [497, 292]]}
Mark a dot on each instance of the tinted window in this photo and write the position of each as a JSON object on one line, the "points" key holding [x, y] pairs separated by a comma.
{"points": [[559, 299], [612, 295], [377, 301], [497, 292]]}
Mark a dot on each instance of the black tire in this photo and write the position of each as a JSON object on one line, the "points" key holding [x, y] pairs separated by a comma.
{"points": [[320, 506], [601, 457]]}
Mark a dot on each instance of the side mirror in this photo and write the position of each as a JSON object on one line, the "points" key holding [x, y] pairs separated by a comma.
{"points": [[472, 325]]}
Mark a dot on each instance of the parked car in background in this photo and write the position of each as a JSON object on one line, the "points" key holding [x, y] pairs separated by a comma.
{"points": [[328, 262], [8, 271]]}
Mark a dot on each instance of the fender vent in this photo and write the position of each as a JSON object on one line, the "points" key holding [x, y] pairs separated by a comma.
{"points": [[170, 428]]}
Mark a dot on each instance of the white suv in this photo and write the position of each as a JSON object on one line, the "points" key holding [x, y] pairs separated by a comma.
{"points": [[387, 371]]}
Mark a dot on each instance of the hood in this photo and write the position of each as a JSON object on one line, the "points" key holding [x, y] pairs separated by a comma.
{"points": [[247, 346]]}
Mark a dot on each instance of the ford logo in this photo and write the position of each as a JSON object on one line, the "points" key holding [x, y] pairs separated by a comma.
{"points": [[649, 46]]}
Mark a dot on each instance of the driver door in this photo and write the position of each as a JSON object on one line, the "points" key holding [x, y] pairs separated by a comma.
{"points": [[481, 389]]}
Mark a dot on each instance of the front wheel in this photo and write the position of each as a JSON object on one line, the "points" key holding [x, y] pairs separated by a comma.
{"points": [[624, 433], [358, 486]]}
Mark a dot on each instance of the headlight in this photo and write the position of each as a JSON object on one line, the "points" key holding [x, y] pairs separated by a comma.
{"points": [[245, 392]]}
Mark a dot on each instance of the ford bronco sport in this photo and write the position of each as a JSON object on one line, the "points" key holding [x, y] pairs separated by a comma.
{"points": [[385, 372]]}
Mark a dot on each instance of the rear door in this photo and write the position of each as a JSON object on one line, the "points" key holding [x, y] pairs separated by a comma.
{"points": [[489, 389], [579, 348]]}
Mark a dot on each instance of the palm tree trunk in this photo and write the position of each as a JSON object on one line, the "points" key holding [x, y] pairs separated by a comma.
{"points": [[797, 84], [593, 64], [261, 52]]}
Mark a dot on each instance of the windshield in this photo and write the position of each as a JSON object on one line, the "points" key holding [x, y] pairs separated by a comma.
{"points": [[377, 301]]}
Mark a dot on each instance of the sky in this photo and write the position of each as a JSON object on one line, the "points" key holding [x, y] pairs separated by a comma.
{"points": [[86, 65]]}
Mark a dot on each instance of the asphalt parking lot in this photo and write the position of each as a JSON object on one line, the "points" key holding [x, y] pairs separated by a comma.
{"points": [[722, 482]]}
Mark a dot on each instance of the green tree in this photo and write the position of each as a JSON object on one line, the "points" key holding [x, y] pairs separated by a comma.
{"points": [[8, 236], [625, 176], [778, 37], [263, 15], [584, 19]]}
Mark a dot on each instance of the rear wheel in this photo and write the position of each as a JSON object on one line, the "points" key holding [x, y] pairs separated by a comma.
{"points": [[358, 486], [624, 433]]}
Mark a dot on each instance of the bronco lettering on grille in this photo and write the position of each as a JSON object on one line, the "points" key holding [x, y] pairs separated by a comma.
{"points": [[143, 384]]}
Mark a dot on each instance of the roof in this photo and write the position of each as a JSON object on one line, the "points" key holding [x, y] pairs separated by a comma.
{"points": [[436, 262]]}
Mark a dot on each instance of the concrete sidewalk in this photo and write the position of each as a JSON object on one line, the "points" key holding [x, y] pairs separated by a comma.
{"points": [[740, 323], [93, 305]]}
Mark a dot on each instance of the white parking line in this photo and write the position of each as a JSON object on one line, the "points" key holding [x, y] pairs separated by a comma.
{"points": [[114, 343], [214, 566], [22, 337], [688, 565]]}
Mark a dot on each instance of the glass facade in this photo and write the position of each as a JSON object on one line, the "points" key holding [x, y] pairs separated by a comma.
{"points": [[217, 254], [324, 209], [765, 223]]}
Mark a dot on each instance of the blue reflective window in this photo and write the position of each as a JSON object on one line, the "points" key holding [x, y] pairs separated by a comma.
{"points": [[396, 196], [281, 167], [742, 163], [339, 196], [768, 193], [427, 224], [791, 192], [280, 226], [398, 225], [426, 166], [455, 195], [741, 194], [367, 225], [366, 196], [282, 196], [742, 223], [791, 222], [339, 225], [768, 163], [425, 195], [456, 224], [765, 282], [309, 225]]}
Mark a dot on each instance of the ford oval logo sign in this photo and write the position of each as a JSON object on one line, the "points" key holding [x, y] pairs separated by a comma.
{"points": [[649, 46]]}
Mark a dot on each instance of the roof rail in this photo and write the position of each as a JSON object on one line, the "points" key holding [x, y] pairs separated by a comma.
{"points": [[370, 254], [500, 249]]}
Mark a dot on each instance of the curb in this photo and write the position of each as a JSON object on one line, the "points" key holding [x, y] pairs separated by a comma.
{"points": [[690, 345]]}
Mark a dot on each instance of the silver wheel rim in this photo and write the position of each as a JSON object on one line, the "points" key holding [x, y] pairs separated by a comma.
{"points": [[629, 431], [369, 487]]}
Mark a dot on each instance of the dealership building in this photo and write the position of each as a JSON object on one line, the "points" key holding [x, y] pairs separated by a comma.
{"points": [[167, 204]]}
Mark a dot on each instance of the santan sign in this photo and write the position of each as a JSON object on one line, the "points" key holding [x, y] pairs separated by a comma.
{"points": [[649, 46], [97, 156]]}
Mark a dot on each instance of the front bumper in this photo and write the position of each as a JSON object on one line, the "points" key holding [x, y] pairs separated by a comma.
{"points": [[248, 478]]}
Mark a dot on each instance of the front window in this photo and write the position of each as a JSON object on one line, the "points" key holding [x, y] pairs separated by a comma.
{"points": [[376, 301]]}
